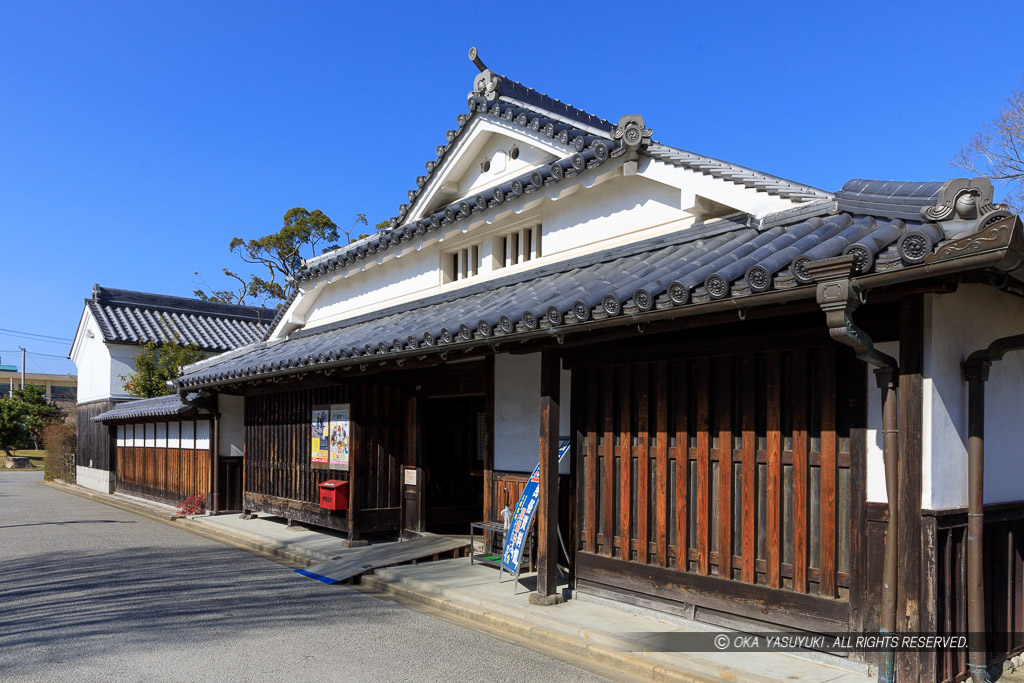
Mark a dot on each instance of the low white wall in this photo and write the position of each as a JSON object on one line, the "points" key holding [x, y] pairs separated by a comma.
{"points": [[956, 325], [231, 438], [517, 412], [95, 479]]}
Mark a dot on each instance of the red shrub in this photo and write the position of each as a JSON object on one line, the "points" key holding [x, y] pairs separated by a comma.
{"points": [[193, 505]]}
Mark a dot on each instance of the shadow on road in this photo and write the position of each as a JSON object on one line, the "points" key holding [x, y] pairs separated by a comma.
{"points": [[79, 606]]}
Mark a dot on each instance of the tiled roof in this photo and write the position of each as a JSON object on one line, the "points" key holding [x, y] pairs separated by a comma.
{"points": [[756, 180], [726, 259], [589, 139], [143, 408], [129, 317]]}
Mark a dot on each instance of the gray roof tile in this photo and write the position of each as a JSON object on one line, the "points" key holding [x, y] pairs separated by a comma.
{"points": [[723, 258], [148, 408], [129, 317]]}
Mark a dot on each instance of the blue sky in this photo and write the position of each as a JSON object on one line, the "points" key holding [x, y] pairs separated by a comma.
{"points": [[138, 138]]}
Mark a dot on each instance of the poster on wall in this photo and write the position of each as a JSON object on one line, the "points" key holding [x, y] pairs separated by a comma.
{"points": [[320, 441], [341, 429]]}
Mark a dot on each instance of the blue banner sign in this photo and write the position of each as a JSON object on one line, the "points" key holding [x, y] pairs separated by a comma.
{"points": [[523, 516]]}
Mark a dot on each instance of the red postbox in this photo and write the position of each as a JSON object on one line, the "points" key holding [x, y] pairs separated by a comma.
{"points": [[334, 494]]}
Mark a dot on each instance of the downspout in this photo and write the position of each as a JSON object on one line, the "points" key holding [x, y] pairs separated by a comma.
{"points": [[215, 464], [839, 298], [976, 373]]}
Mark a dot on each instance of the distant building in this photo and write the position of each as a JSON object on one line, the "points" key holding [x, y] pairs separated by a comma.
{"points": [[57, 387], [114, 324]]}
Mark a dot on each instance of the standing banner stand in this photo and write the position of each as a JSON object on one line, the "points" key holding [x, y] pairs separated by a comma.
{"points": [[522, 519]]}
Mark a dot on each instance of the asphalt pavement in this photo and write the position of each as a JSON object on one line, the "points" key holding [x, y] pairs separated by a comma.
{"points": [[93, 593]]}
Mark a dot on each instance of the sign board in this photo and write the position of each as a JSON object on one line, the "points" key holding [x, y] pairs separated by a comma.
{"points": [[522, 518], [331, 436], [410, 476]]}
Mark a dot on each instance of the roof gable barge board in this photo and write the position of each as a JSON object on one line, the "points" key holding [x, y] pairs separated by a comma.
{"points": [[695, 184], [485, 137], [736, 174]]}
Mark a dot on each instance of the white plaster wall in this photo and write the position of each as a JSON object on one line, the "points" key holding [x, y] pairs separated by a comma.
{"points": [[92, 478], [92, 359], [875, 466], [623, 205], [414, 274], [956, 325], [231, 437], [517, 412], [605, 209]]}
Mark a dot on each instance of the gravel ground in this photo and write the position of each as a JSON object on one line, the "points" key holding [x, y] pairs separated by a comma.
{"points": [[92, 593]]}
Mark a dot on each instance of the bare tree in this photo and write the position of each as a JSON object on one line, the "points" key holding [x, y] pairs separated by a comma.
{"points": [[997, 150]]}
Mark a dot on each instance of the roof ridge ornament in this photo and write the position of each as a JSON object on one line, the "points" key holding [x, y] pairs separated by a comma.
{"points": [[475, 58], [966, 199], [486, 83], [632, 132]]}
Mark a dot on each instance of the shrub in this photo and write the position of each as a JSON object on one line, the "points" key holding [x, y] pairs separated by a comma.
{"points": [[193, 505], [59, 441]]}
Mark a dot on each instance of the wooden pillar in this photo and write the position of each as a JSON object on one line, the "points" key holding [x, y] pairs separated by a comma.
{"points": [[547, 515], [911, 418]]}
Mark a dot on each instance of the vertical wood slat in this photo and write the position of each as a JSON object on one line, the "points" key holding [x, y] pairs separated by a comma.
{"points": [[703, 540], [643, 497], [661, 459], [609, 461], [773, 422], [749, 448], [827, 543], [592, 483], [680, 406], [800, 471], [723, 420], [625, 462]]}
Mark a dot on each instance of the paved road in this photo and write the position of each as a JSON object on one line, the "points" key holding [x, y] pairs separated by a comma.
{"points": [[92, 593]]}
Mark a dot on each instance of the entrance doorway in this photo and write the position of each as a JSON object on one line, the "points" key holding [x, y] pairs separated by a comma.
{"points": [[453, 462]]}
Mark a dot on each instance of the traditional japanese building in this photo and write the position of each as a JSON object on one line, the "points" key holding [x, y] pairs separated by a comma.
{"points": [[708, 337], [115, 323]]}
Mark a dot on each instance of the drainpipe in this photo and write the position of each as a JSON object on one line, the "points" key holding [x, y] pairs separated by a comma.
{"points": [[976, 372], [839, 298], [215, 465]]}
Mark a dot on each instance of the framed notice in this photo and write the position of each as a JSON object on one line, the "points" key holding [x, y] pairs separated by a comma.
{"points": [[320, 435], [340, 436]]}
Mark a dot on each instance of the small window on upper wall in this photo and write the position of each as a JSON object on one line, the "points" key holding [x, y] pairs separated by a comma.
{"points": [[459, 264], [517, 246]]}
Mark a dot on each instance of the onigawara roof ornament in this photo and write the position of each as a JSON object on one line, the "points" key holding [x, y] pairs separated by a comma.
{"points": [[632, 132], [965, 204], [486, 83]]}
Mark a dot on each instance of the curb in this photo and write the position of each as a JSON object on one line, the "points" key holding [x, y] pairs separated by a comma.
{"points": [[546, 639], [267, 550]]}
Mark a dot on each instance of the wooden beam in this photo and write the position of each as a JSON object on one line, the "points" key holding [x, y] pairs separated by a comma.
{"points": [[723, 423], [911, 420], [547, 522], [749, 447], [773, 418], [800, 472], [827, 527], [661, 515], [703, 485]]}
